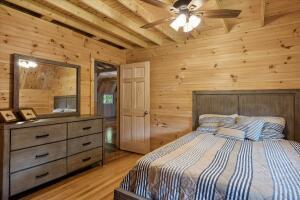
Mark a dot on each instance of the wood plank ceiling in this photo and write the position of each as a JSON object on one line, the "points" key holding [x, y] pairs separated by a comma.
{"points": [[117, 22]]}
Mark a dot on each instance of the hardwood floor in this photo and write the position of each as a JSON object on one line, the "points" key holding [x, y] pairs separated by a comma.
{"points": [[97, 183], [114, 155]]}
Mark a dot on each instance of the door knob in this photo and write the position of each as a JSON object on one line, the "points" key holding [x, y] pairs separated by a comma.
{"points": [[146, 113]]}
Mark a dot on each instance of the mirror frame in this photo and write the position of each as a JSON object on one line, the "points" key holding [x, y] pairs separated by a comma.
{"points": [[16, 88]]}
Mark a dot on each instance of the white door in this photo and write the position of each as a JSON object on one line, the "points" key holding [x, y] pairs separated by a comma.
{"points": [[135, 107]]}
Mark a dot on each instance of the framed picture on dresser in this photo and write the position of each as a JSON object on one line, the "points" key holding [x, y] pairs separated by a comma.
{"points": [[28, 114], [7, 116]]}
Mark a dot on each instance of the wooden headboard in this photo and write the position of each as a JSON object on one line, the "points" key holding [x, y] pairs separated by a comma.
{"points": [[280, 103], [65, 102]]}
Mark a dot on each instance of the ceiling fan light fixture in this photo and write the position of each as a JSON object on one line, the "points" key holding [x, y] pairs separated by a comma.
{"points": [[27, 64], [189, 15], [194, 21], [187, 27], [174, 26], [180, 20]]}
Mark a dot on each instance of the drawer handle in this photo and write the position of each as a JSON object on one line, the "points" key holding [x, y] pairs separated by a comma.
{"points": [[41, 155], [86, 144], [41, 175], [42, 136], [87, 128], [86, 159]]}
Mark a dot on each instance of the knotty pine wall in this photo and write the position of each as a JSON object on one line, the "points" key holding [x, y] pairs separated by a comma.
{"points": [[23, 34], [259, 58]]}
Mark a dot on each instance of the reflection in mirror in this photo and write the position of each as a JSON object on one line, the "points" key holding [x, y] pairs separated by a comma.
{"points": [[47, 87]]}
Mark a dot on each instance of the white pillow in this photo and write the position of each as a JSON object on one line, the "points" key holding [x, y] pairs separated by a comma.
{"points": [[273, 126], [235, 116], [58, 110], [276, 120], [207, 129], [252, 126], [213, 120], [231, 133]]}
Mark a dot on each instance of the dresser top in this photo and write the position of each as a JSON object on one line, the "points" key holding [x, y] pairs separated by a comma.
{"points": [[48, 121]]}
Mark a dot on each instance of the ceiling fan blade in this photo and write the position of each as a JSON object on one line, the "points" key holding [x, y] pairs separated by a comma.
{"points": [[149, 25], [196, 4], [157, 3], [221, 13]]}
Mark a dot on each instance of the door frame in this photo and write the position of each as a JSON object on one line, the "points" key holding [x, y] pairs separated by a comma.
{"points": [[94, 99]]}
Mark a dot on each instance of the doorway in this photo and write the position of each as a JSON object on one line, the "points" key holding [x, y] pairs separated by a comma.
{"points": [[107, 105]]}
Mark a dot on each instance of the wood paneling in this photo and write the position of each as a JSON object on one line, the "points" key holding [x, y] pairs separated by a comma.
{"points": [[64, 84], [40, 99], [256, 58], [23, 34], [249, 57]]}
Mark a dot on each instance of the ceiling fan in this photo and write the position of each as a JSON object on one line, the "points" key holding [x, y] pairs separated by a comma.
{"points": [[187, 14]]}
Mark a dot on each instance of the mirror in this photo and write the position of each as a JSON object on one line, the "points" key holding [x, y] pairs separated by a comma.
{"points": [[49, 87]]}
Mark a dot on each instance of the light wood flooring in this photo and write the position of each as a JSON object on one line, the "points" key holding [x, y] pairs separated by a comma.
{"points": [[96, 183], [114, 154]]}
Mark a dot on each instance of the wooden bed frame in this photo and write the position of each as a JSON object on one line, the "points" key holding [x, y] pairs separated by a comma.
{"points": [[280, 103]]}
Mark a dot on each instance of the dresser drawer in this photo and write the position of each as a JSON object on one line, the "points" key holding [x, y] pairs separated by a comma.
{"points": [[33, 156], [29, 178], [85, 143], [77, 129], [28, 137], [84, 159]]}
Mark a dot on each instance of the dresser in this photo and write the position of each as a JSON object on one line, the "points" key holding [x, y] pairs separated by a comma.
{"points": [[34, 153]]}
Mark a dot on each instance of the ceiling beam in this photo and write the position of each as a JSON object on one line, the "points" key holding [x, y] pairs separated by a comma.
{"points": [[224, 22], [95, 20], [137, 8], [167, 1], [123, 20], [47, 18], [52, 14], [263, 11]]}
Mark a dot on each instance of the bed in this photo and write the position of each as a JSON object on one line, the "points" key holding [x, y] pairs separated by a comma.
{"points": [[65, 104], [204, 166]]}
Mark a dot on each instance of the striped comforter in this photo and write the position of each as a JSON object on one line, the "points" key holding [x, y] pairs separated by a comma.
{"points": [[204, 166]]}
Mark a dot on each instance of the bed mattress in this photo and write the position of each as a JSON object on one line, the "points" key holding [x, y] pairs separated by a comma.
{"points": [[205, 166]]}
